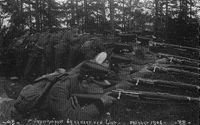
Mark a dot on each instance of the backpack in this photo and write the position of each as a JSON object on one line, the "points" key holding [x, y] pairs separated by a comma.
{"points": [[32, 96]]}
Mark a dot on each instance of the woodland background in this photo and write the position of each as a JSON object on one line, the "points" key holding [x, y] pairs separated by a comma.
{"points": [[39, 36], [175, 21]]}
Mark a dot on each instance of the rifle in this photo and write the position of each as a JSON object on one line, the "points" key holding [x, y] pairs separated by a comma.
{"points": [[160, 55], [164, 83], [172, 70], [155, 96], [144, 40], [120, 59], [142, 96], [166, 86], [181, 67], [172, 60], [176, 46]]}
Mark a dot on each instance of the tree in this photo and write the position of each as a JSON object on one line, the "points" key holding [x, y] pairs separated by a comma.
{"points": [[111, 5], [170, 17], [179, 21]]}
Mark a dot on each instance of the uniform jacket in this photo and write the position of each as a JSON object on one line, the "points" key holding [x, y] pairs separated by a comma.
{"points": [[59, 106]]}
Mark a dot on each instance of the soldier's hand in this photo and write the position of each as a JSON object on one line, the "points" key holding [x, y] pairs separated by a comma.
{"points": [[107, 100], [74, 102], [123, 85]]}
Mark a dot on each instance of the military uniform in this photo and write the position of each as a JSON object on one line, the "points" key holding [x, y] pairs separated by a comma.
{"points": [[59, 103]]}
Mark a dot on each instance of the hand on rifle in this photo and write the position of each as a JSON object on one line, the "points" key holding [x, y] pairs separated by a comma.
{"points": [[123, 85], [107, 100], [74, 102]]}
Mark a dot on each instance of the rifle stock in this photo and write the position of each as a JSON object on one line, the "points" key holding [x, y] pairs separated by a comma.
{"points": [[176, 46], [179, 57], [165, 83], [142, 95]]}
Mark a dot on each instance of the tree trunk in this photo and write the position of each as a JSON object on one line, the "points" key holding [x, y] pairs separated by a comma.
{"points": [[42, 15], [111, 3], [37, 16], [86, 15], [21, 6], [30, 17], [156, 18], [129, 19], [123, 18], [77, 13], [166, 20], [104, 10], [103, 27], [49, 15], [72, 13]]}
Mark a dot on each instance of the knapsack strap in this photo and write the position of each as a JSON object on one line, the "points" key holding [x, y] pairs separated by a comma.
{"points": [[35, 106], [48, 88]]}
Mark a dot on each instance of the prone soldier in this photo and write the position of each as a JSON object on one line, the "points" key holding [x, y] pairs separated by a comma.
{"points": [[60, 103]]}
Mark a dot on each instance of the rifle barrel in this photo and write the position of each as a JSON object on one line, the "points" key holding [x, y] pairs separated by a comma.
{"points": [[178, 46], [143, 95], [179, 57], [164, 82], [157, 96], [90, 96]]}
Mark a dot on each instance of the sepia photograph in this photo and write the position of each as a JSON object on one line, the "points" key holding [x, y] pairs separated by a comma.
{"points": [[99, 62]]}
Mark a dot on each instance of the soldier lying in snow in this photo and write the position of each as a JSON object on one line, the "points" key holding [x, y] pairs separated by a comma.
{"points": [[58, 101]]}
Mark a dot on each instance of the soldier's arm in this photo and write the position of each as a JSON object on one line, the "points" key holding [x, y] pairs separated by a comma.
{"points": [[60, 104]]}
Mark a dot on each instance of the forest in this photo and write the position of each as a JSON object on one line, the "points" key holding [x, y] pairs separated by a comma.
{"points": [[169, 20], [151, 47]]}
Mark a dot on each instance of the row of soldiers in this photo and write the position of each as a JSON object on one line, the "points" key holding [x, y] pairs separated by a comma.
{"points": [[91, 88], [61, 95], [64, 93]]}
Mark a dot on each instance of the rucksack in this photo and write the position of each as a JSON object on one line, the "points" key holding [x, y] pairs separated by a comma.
{"points": [[32, 96]]}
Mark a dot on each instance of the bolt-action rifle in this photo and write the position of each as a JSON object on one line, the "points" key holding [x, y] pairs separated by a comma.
{"points": [[160, 69], [180, 58], [181, 67], [176, 46], [142, 96]]}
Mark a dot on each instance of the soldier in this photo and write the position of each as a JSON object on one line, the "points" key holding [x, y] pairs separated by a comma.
{"points": [[60, 102]]}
